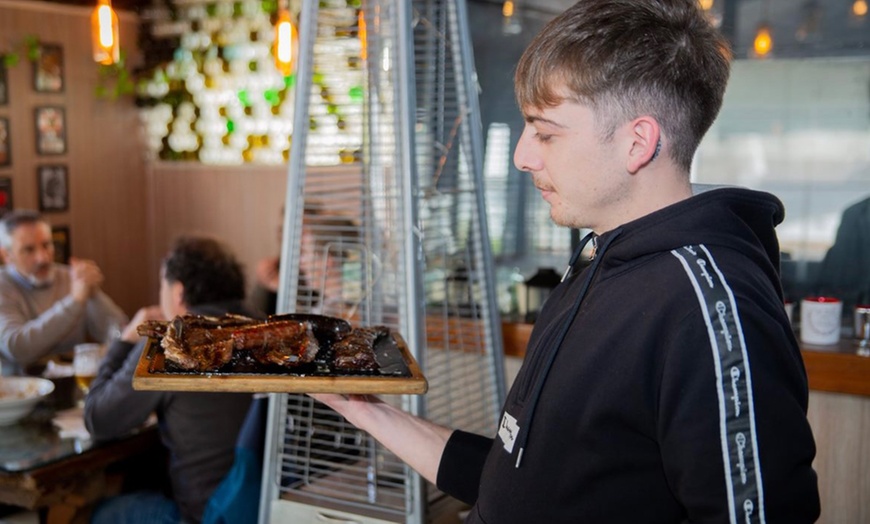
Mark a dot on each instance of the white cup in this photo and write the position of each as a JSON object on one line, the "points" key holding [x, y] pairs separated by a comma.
{"points": [[820, 320]]}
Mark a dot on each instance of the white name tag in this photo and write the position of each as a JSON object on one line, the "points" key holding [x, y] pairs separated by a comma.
{"points": [[508, 431]]}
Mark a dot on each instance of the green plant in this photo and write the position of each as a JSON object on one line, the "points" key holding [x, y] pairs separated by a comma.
{"points": [[115, 80]]}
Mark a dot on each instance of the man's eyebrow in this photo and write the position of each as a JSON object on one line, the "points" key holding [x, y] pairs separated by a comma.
{"points": [[531, 119]]}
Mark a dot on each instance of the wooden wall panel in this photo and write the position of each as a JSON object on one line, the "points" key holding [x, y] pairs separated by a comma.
{"points": [[107, 211], [841, 427], [240, 205]]}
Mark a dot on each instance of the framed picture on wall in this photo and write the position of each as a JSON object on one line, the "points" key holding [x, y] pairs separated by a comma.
{"points": [[48, 69], [4, 82], [60, 238], [50, 122], [5, 195], [5, 143], [53, 188]]}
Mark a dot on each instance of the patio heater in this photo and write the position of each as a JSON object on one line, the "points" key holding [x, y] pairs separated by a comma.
{"points": [[376, 239]]}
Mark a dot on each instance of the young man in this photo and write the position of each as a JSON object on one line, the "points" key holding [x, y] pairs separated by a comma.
{"points": [[198, 276], [662, 383], [46, 308]]}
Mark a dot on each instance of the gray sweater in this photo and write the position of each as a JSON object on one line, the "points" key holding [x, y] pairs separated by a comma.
{"points": [[37, 322], [198, 429]]}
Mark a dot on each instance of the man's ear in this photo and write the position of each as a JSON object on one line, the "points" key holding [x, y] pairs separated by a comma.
{"points": [[176, 292], [645, 143]]}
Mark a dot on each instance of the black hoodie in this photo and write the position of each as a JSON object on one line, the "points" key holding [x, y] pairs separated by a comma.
{"points": [[665, 359]]}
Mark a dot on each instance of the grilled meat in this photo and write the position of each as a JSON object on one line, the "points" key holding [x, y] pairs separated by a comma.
{"points": [[152, 328], [328, 330], [198, 342], [286, 343], [204, 343], [355, 352]]}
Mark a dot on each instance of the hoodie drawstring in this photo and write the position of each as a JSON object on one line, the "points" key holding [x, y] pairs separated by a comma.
{"points": [[526, 427]]}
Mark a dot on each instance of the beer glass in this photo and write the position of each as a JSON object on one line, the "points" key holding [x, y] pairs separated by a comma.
{"points": [[86, 361]]}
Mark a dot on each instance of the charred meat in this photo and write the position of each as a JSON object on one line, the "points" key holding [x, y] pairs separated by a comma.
{"points": [[196, 342], [355, 352], [208, 344], [328, 330], [286, 343], [201, 343], [152, 328]]}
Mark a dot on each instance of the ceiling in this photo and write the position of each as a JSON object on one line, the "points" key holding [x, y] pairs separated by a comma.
{"points": [[126, 5], [553, 6]]}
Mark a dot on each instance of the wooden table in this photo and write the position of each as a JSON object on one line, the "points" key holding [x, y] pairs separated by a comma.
{"points": [[63, 488]]}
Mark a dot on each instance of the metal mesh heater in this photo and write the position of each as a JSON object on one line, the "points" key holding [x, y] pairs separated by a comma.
{"points": [[395, 236]]}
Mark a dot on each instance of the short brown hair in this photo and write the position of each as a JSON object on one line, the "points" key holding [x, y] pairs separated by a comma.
{"points": [[627, 58], [206, 268]]}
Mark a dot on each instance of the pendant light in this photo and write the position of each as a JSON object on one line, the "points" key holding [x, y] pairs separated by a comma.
{"points": [[104, 33], [762, 44], [285, 41], [510, 22], [859, 8]]}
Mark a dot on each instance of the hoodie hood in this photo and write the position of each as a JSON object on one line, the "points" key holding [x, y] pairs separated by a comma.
{"points": [[733, 218]]}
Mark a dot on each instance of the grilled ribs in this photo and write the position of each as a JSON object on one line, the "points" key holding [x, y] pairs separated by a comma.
{"points": [[355, 352], [205, 344], [285, 343], [201, 343]]}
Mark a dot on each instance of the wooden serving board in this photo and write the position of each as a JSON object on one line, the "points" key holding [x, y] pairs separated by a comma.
{"points": [[399, 374]]}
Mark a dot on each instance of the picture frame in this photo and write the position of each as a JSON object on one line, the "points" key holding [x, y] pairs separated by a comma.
{"points": [[53, 188], [60, 239], [6, 204], [50, 124], [5, 143], [4, 82], [48, 69]]}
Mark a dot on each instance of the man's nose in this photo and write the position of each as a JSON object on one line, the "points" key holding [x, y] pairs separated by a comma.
{"points": [[525, 157], [44, 255]]}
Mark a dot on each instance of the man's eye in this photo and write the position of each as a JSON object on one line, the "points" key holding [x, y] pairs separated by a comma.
{"points": [[543, 138]]}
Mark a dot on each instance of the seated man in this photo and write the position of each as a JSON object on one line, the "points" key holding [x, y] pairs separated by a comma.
{"points": [[46, 308], [198, 276]]}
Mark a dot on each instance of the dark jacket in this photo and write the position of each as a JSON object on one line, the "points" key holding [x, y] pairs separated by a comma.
{"points": [[647, 372], [198, 429], [844, 271]]}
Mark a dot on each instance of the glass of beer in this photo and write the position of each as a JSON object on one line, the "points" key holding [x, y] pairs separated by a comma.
{"points": [[86, 361]]}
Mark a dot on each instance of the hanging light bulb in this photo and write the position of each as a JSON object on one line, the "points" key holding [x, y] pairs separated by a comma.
{"points": [[104, 33], [510, 22], [363, 36], [763, 43], [859, 8], [285, 42], [706, 5]]}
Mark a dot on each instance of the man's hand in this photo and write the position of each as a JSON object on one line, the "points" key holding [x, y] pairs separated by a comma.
{"points": [[86, 278], [129, 333]]}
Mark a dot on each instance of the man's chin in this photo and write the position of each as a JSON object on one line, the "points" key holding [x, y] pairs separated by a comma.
{"points": [[43, 278]]}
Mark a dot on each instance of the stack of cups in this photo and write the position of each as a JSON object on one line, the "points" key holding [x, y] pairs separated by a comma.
{"points": [[820, 320]]}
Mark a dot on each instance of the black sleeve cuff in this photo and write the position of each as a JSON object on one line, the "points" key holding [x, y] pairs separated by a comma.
{"points": [[462, 464]]}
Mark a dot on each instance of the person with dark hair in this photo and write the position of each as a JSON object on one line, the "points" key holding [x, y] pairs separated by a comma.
{"points": [[325, 243], [46, 308], [844, 272], [662, 381], [197, 276]]}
